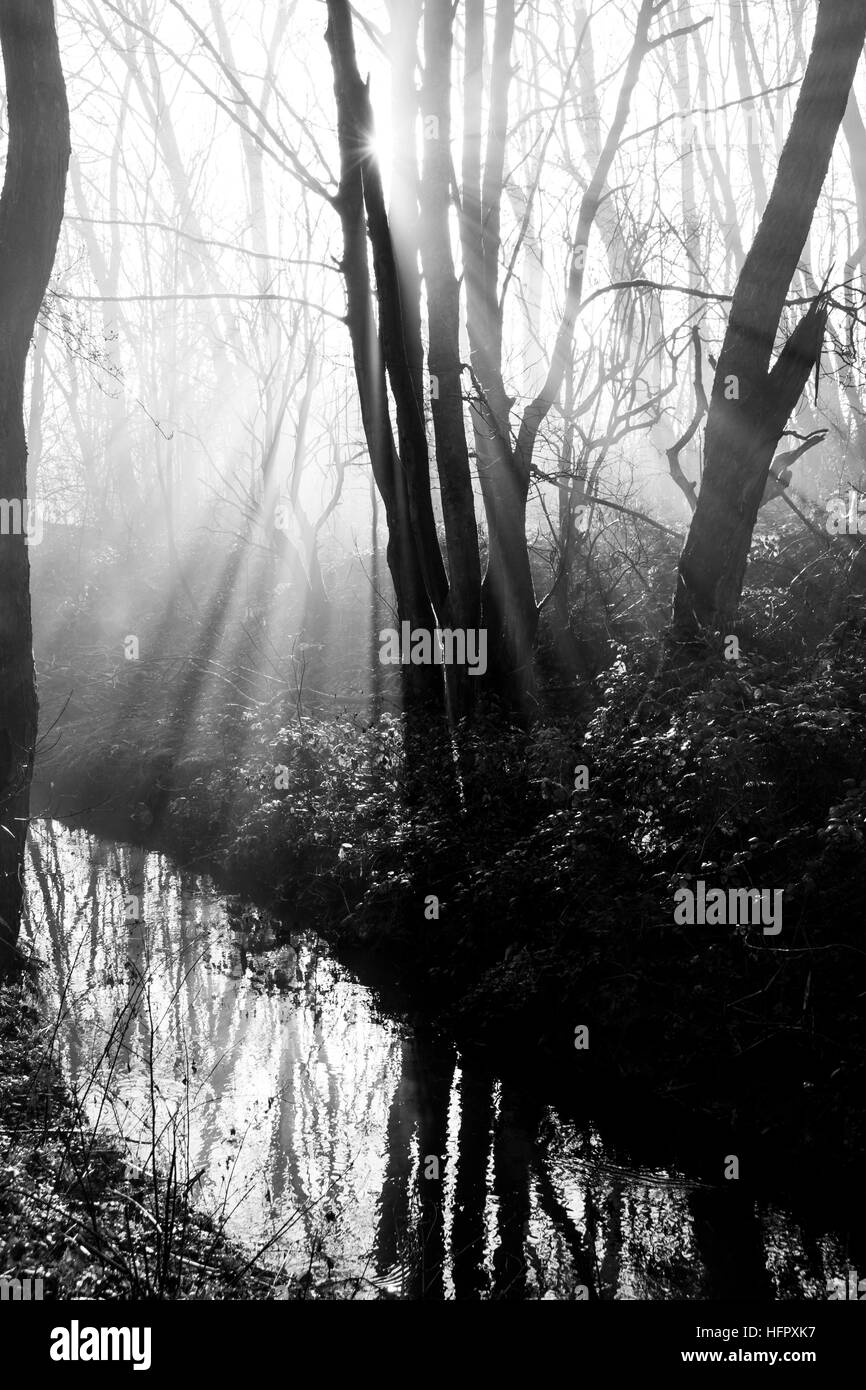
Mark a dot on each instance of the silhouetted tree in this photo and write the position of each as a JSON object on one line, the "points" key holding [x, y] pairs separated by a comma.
{"points": [[751, 402], [387, 347], [31, 211]]}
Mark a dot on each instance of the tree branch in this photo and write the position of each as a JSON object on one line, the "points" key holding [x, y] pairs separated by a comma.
{"points": [[701, 407]]}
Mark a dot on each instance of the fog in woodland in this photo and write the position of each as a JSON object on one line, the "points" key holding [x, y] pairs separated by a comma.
{"points": [[432, 687]]}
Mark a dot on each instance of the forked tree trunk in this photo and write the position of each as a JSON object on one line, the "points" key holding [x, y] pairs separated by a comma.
{"points": [[31, 211], [751, 403]]}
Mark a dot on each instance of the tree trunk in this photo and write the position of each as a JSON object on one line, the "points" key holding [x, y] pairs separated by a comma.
{"points": [[446, 371], [396, 248], [510, 614], [422, 684], [31, 211], [750, 403]]}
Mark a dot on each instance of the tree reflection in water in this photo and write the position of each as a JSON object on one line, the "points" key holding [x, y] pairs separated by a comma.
{"points": [[347, 1140]]}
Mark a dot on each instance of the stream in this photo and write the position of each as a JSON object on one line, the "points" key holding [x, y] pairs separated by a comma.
{"points": [[340, 1141]]}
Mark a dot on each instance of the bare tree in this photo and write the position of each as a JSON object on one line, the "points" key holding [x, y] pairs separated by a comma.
{"points": [[505, 463], [31, 211], [401, 481], [751, 402]]}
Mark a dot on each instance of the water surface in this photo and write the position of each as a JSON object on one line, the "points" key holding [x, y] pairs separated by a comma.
{"points": [[342, 1142]]}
